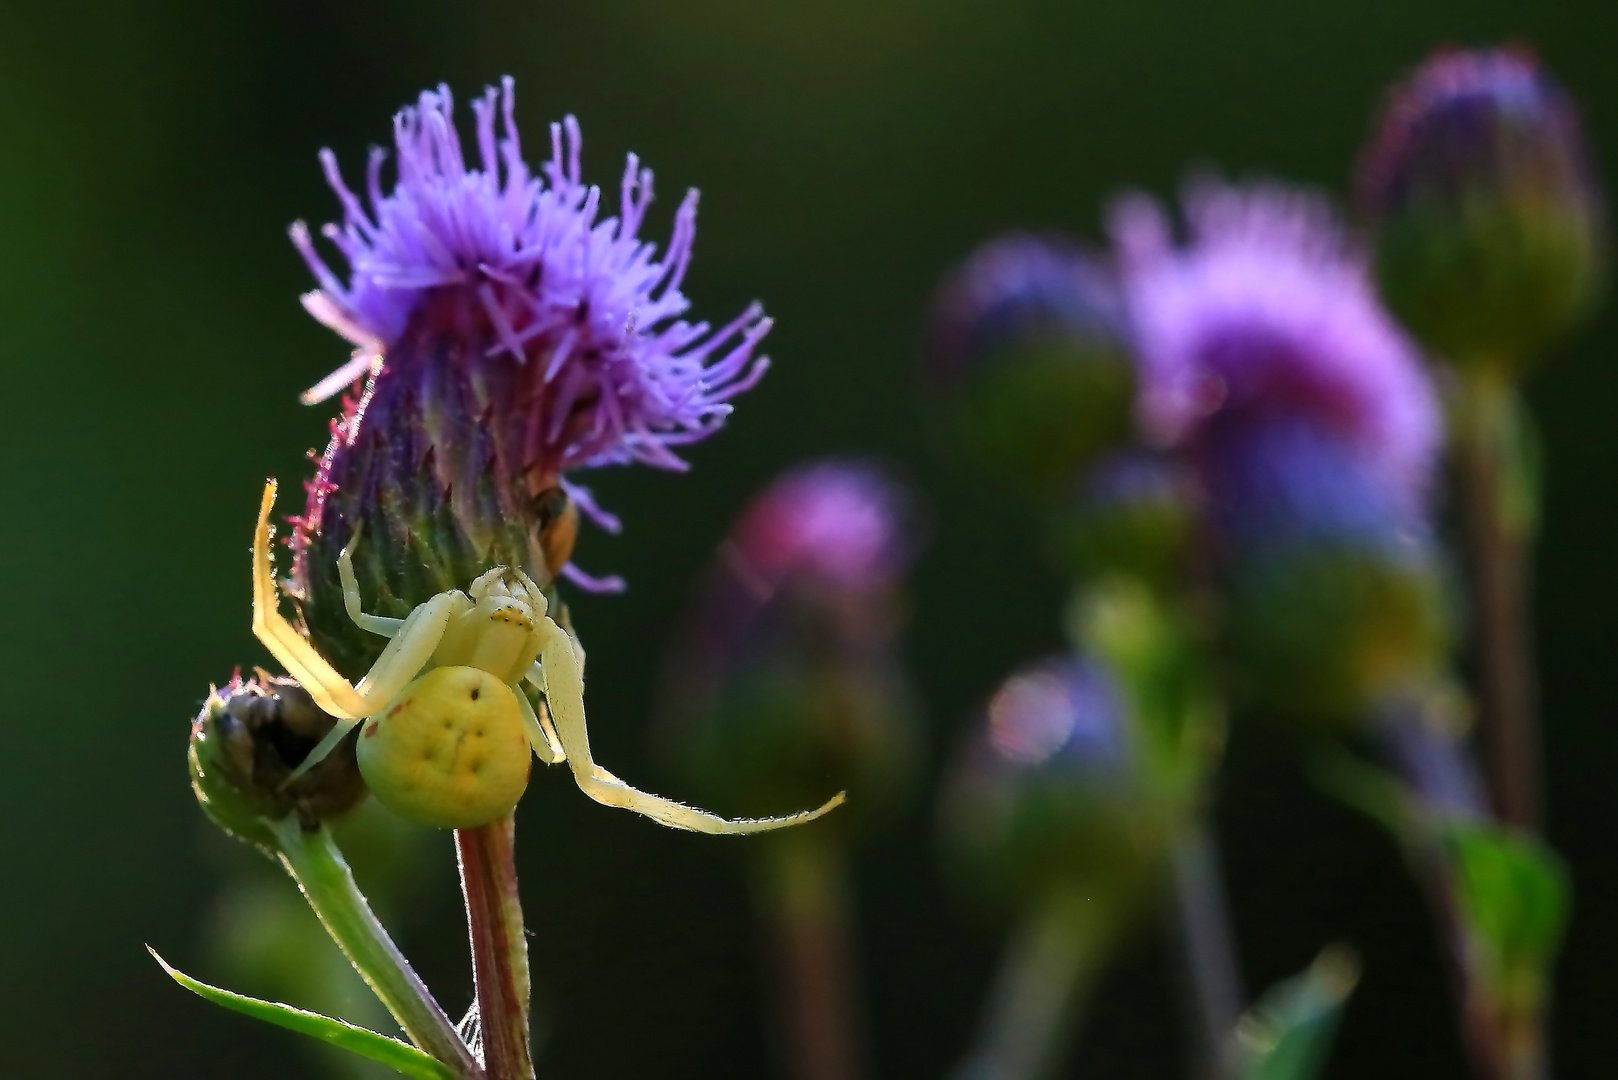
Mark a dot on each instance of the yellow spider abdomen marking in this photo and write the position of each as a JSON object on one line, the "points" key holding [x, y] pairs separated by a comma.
{"points": [[450, 751]]}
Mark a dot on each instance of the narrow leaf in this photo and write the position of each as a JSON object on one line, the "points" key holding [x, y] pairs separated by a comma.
{"points": [[1513, 894], [1288, 1034], [401, 1057]]}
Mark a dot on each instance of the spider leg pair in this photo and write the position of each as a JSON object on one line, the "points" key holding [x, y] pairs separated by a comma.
{"points": [[412, 643]]}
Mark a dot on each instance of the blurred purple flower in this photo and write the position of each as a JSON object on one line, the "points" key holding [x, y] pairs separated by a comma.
{"points": [[1066, 712], [1267, 311], [1490, 223], [1028, 360], [1476, 119], [838, 521], [785, 676], [1288, 482], [824, 545], [589, 317], [1023, 291]]}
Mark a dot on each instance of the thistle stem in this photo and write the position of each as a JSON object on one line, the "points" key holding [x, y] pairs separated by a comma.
{"points": [[1048, 968], [316, 864], [1499, 528], [1210, 956], [499, 949], [803, 894], [1503, 1033]]}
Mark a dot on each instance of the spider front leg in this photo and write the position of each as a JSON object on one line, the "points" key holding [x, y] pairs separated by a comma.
{"points": [[557, 673], [412, 646], [376, 624], [541, 735]]}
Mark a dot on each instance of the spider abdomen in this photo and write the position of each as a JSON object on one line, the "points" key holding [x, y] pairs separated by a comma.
{"points": [[449, 751]]}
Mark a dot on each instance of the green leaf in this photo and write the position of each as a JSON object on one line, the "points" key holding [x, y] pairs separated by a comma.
{"points": [[1287, 1035], [1513, 896], [401, 1057]]}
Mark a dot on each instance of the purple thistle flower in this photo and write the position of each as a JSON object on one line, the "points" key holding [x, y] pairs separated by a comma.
{"points": [[1023, 291], [1333, 584], [583, 310], [1490, 222], [1028, 359], [841, 522], [1286, 481], [1467, 119], [786, 674], [1268, 311], [813, 564], [510, 334]]}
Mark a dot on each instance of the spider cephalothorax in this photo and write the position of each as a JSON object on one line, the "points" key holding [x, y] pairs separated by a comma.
{"points": [[450, 725]]}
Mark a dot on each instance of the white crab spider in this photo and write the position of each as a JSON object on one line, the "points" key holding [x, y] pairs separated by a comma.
{"points": [[449, 682]]}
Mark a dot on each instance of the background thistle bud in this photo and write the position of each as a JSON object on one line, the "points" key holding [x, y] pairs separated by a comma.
{"points": [[1030, 359], [1489, 224], [246, 741], [787, 681], [1335, 588], [512, 336], [1056, 792], [1133, 513]]}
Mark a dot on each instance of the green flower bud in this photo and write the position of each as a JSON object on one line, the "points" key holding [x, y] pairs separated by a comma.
{"points": [[1030, 360], [1320, 632], [1133, 514], [1057, 794], [1489, 225], [246, 741], [412, 466]]}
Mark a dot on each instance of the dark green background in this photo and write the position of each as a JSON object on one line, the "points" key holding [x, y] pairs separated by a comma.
{"points": [[151, 157]]}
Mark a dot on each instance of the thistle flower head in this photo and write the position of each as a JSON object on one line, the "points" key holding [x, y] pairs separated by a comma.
{"points": [[1266, 310], [786, 678], [1334, 583], [1286, 482], [1030, 358], [840, 522], [575, 311], [1489, 221], [510, 333]]}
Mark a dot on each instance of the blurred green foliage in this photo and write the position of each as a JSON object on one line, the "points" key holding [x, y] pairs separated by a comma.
{"points": [[153, 350]]}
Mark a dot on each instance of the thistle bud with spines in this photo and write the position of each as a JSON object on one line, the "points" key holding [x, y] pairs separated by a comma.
{"points": [[1489, 224], [1029, 360], [247, 740]]}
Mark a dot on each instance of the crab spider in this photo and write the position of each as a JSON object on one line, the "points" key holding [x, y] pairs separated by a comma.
{"points": [[445, 704]]}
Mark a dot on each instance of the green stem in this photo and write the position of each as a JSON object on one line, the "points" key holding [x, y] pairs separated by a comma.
{"points": [[1048, 967], [499, 948], [1499, 525], [1210, 957], [315, 863], [803, 895]]}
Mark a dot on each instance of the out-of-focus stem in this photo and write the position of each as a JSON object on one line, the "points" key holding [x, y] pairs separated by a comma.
{"points": [[315, 863], [1210, 957], [1499, 535], [1503, 1032], [1049, 966], [803, 895], [499, 949]]}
